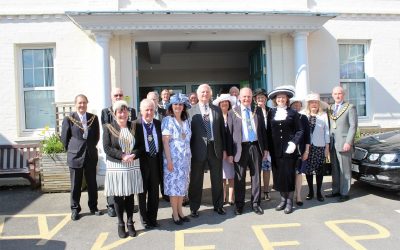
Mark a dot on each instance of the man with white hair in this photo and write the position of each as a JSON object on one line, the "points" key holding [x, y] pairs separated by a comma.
{"points": [[343, 126], [107, 116], [208, 148], [148, 133], [159, 112]]}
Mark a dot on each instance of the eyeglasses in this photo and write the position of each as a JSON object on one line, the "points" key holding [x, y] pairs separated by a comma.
{"points": [[118, 95]]}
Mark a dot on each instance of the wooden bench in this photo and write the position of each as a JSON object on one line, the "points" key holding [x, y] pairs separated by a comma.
{"points": [[20, 160]]}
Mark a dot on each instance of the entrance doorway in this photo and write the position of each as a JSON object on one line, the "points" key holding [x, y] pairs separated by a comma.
{"points": [[182, 66]]}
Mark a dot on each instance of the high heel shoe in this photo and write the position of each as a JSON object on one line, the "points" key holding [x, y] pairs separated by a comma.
{"points": [[131, 230], [320, 197], [310, 196], [281, 205], [184, 218], [121, 231], [177, 222], [266, 196]]}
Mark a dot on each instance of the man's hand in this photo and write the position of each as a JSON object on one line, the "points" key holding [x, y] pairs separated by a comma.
{"points": [[346, 147]]}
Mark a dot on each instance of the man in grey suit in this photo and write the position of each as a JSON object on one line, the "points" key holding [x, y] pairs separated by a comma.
{"points": [[343, 125], [208, 148]]}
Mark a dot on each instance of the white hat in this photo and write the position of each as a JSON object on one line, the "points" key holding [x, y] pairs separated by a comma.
{"points": [[285, 89], [296, 99], [316, 97], [225, 97]]}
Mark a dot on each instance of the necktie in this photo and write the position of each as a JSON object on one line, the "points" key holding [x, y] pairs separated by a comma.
{"points": [[336, 109], [150, 140], [206, 122], [250, 130]]}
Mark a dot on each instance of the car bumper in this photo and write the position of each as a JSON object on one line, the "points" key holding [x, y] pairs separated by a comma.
{"points": [[377, 175]]}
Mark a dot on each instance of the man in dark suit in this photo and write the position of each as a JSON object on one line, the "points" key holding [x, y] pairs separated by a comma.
{"points": [[80, 134], [107, 116], [159, 114], [249, 146], [148, 129], [207, 145]]}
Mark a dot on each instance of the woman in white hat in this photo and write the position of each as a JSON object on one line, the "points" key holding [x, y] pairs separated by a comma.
{"points": [[260, 97], [319, 149], [285, 132], [226, 102]]}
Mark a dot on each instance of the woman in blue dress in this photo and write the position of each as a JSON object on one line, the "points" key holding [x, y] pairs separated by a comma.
{"points": [[176, 135]]}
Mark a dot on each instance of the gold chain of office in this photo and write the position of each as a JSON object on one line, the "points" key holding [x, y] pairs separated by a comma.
{"points": [[79, 123], [335, 117], [240, 117]]}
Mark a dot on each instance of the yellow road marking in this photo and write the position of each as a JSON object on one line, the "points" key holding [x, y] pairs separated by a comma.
{"points": [[44, 233], [352, 240], [180, 238], [98, 244], [268, 245]]}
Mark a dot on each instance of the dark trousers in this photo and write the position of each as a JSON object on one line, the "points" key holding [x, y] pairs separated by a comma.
{"points": [[76, 175], [197, 177], [124, 203], [250, 157], [151, 179]]}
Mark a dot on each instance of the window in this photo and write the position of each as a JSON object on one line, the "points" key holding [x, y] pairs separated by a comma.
{"points": [[352, 74], [38, 87]]}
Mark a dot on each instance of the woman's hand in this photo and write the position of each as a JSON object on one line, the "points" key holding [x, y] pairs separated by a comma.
{"points": [[170, 166], [304, 157], [327, 153]]}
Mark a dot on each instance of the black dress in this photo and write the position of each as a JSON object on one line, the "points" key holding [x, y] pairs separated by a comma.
{"points": [[287, 129]]}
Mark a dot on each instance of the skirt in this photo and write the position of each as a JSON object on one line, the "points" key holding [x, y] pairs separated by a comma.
{"points": [[315, 160], [122, 179], [284, 174], [228, 170]]}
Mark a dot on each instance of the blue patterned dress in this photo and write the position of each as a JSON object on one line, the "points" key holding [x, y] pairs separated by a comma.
{"points": [[176, 182]]}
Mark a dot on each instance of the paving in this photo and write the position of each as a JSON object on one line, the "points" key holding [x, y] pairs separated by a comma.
{"points": [[30, 219]]}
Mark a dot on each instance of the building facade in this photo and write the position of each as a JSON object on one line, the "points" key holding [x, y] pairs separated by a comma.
{"points": [[53, 50]]}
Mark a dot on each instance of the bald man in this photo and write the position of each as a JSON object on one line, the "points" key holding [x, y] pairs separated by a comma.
{"points": [[343, 126], [107, 116]]}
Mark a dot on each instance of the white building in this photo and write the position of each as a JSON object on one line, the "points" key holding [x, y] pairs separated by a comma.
{"points": [[52, 50]]}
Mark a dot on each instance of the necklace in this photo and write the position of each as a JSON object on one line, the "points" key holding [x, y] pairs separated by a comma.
{"points": [[79, 123], [179, 128], [240, 117], [335, 117]]}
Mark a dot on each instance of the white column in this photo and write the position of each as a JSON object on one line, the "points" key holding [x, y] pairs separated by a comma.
{"points": [[103, 89], [302, 84], [135, 76]]}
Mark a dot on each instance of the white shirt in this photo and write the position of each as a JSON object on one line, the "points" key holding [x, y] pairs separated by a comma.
{"points": [[245, 132], [155, 138], [210, 116]]}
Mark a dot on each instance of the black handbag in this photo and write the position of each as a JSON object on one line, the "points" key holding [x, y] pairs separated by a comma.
{"points": [[327, 167]]}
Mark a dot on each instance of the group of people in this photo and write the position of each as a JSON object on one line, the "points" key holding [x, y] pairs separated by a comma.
{"points": [[178, 139]]}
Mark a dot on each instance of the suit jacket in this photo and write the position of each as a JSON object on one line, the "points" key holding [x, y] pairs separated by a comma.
{"points": [[141, 139], [161, 113], [235, 128], [198, 141], [281, 132], [111, 141], [343, 130], [107, 115], [80, 152]]}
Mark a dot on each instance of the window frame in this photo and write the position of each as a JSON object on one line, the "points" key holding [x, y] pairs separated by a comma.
{"points": [[23, 131], [366, 45]]}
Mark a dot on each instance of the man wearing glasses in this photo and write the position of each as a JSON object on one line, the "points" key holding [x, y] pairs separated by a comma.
{"points": [[107, 116]]}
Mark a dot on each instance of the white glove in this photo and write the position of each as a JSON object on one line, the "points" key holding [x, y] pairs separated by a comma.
{"points": [[291, 147]]}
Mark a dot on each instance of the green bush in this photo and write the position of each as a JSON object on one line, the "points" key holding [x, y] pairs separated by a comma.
{"points": [[52, 145]]}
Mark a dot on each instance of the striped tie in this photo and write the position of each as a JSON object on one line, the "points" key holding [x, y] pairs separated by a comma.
{"points": [[150, 140], [206, 122]]}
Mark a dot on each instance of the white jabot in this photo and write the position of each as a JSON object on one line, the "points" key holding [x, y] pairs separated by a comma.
{"points": [[281, 113]]}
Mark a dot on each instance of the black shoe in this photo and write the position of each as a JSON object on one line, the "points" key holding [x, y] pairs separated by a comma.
{"points": [[135, 209], [111, 211], [147, 226], [131, 230], [281, 206], [154, 224], [258, 210], [299, 203], [220, 211], [310, 196], [266, 196], [239, 211], [231, 203], [194, 213], [75, 215], [332, 195], [184, 218], [320, 197], [344, 198], [121, 231], [96, 212], [177, 222]]}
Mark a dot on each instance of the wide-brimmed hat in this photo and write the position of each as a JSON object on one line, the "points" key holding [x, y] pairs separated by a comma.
{"points": [[225, 97], [179, 98], [285, 89], [316, 97], [260, 91]]}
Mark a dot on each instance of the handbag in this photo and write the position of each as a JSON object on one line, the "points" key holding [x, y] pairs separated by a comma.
{"points": [[327, 167]]}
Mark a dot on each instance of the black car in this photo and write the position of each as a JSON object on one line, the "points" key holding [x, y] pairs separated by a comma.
{"points": [[376, 160]]}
